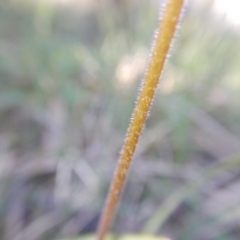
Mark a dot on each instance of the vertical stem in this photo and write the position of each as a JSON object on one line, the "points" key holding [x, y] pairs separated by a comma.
{"points": [[159, 54]]}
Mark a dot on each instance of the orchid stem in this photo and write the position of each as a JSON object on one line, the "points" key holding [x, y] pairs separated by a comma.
{"points": [[158, 57]]}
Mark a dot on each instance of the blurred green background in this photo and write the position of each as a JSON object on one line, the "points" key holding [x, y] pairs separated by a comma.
{"points": [[69, 75]]}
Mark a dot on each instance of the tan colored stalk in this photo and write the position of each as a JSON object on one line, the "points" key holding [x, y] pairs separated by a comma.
{"points": [[159, 54]]}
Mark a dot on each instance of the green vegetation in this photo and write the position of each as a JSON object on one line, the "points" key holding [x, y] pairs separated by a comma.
{"points": [[68, 83]]}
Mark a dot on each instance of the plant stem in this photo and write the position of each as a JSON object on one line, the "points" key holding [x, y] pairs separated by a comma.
{"points": [[159, 54]]}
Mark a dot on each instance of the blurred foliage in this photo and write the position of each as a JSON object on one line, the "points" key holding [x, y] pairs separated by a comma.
{"points": [[124, 237], [69, 74]]}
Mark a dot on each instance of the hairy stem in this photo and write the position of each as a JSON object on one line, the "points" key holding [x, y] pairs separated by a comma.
{"points": [[159, 54]]}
